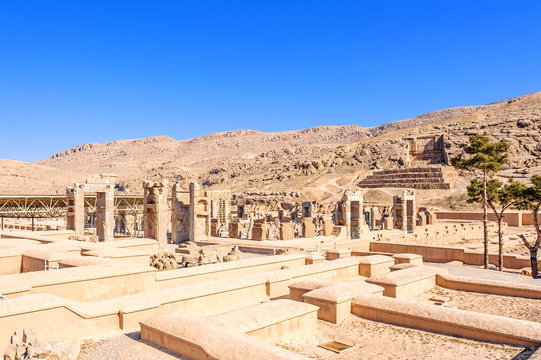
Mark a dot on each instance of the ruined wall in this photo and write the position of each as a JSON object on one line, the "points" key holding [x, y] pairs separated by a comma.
{"points": [[180, 214], [155, 211]]}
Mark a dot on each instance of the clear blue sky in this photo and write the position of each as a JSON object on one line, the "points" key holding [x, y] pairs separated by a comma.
{"points": [[76, 72]]}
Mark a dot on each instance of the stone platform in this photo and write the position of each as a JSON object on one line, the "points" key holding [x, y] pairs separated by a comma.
{"points": [[419, 177]]}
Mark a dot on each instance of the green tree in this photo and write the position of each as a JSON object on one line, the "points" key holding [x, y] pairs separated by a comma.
{"points": [[532, 197], [500, 198], [485, 158]]}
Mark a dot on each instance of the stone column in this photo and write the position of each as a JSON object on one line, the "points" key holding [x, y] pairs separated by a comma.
{"points": [[155, 212], [199, 214], [357, 213], [180, 215], [347, 217], [414, 212], [404, 203], [105, 214], [75, 212]]}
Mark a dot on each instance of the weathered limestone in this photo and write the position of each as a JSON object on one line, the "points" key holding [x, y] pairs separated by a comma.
{"points": [[418, 177], [428, 149], [234, 255], [314, 258], [25, 344], [104, 219], [75, 212], [407, 283], [408, 259], [199, 213], [444, 320], [259, 231], [308, 227], [334, 300], [164, 261], [338, 254], [373, 265], [286, 231], [155, 211], [328, 226], [240, 334], [307, 208], [235, 230], [405, 212], [220, 211], [349, 213], [180, 214]]}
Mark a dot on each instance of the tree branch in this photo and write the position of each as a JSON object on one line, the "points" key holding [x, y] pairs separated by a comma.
{"points": [[525, 241], [493, 207], [535, 221]]}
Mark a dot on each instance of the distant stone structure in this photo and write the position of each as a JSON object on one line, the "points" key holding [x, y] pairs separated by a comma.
{"points": [[429, 149], [104, 219], [420, 177], [404, 211], [180, 214], [155, 211], [307, 208], [349, 213]]}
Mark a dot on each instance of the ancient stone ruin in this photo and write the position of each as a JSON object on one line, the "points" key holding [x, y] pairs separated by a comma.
{"points": [[217, 274]]}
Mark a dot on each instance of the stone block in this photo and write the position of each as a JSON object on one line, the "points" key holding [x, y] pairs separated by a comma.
{"points": [[338, 254], [286, 231], [29, 336], [314, 258], [407, 283], [408, 258], [375, 264], [308, 228], [259, 231]]}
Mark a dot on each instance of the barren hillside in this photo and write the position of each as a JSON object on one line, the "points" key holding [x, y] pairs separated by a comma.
{"points": [[318, 162]]}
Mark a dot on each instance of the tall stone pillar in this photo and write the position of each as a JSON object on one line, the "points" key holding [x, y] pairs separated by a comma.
{"points": [[105, 214], [413, 212], [155, 211], [404, 212], [180, 214], [357, 214], [347, 215], [75, 212], [199, 214]]}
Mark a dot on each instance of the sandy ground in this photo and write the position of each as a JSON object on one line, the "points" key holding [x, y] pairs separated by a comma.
{"points": [[510, 275], [512, 307], [124, 347], [378, 341]]}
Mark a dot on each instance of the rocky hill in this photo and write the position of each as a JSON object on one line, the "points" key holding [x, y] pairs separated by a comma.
{"points": [[317, 162]]}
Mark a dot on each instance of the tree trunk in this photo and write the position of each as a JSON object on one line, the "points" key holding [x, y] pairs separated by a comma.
{"points": [[485, 219], [533, 261], [500, 244]]}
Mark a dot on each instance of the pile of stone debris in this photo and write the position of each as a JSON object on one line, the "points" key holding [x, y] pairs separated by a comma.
{"points": [[233, 255], [26, 345], [164, 261]]}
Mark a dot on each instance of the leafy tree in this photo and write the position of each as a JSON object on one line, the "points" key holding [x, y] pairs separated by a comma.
{"points": [[485, 158], [500, 198], [532, 197]]}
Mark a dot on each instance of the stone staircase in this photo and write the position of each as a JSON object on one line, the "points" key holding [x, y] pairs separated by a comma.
{"points": [[418, 177]]}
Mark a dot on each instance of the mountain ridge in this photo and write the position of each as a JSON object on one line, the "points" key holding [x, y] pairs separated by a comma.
{"points": [[320, 161]]}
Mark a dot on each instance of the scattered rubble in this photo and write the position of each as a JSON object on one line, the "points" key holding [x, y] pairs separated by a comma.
{"points": [[164, 261], [26, 345]]}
